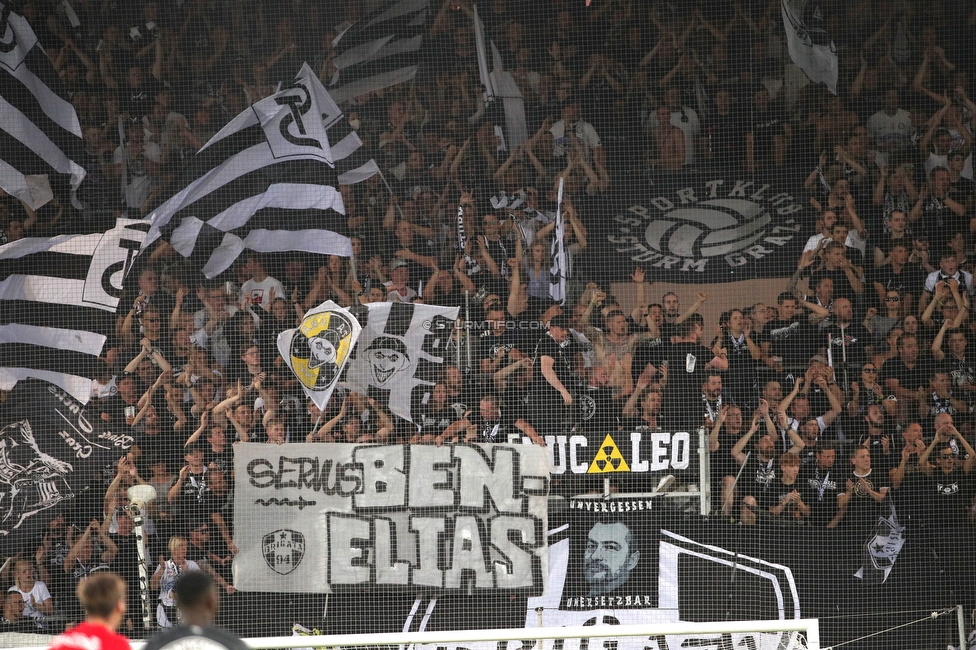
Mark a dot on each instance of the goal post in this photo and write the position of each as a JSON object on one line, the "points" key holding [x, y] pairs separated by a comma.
{"points": [[753, 635], [776, 634]]}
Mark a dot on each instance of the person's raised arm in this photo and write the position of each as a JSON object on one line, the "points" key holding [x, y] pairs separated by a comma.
{"points": [[204, 420], [630, 409], [695, 306], [324, 434], [934, 122], [897, 474], [578, 229], [939, 298], [784, 404], [461, 275], [967, 465], [738, 450], [713, 442], [79, 546], [835, 406]]}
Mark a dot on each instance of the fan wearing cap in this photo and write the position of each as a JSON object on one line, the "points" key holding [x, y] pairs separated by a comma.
{"points": [[190, 488], [397, 289]]}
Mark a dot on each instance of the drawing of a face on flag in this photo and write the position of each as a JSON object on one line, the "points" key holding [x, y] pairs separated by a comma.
{"points": [[387, 356], [318, 349]]}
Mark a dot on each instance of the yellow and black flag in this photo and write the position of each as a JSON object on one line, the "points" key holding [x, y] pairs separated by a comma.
{"points": [[317, 350]]}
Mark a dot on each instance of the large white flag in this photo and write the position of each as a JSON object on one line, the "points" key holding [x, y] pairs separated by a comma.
{"points": [[399, 355], [380, 50], [317, 350], [58, 298], [266, 182], [811, 48]]}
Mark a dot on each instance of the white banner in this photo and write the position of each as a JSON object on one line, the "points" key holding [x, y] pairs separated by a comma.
{"points": [[399, 355], [311, 517]]}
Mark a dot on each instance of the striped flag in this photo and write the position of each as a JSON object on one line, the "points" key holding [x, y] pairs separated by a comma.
{"points": [[380, 50], [58, 298], [40, 136], [399, 354], [351, 160], [266, 182], [557, 250]]}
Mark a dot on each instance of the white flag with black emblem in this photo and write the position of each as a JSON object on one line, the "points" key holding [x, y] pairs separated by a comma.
{"points": [[266, 182], [317, 350], [811, 48], [400, 354], [58, 298], [40, 135]]}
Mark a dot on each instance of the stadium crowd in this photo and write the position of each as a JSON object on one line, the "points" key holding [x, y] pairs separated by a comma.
{"points": [[855, 389]]}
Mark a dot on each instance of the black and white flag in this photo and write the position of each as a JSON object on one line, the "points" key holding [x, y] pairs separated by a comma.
{"points": [[380, 50], [58, 298], [881, 549], [267, 183], [500, 84], [351, 160], [399, 354], [51, 450], [557, 250], [40, 135], [811, 48]]}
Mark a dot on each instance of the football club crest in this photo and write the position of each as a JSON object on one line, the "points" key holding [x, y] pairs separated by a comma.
{"points": [[283, 550], [318, 349]]}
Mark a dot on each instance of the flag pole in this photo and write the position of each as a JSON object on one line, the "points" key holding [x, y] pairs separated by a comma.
{"points": [[125, 161], [392, 193], [316, 425], [467, 318]]}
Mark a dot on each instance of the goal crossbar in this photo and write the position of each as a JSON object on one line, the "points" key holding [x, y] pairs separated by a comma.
{"points": [[808, 626]]}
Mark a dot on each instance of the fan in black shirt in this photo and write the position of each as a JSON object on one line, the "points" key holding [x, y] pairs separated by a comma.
{"points": [[552, 392], [687, 363]]}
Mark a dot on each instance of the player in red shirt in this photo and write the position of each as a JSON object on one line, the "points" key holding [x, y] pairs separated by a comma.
{"points": [[102, 595]]}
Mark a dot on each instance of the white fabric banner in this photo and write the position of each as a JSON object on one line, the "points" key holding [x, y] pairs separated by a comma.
{"points": [[311, 517]]}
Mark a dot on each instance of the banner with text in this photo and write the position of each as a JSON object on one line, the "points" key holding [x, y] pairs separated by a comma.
{"points": [[634, 452], [455, 517]]}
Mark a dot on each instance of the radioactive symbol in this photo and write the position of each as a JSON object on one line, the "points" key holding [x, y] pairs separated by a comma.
{"points": [[608, 459]]}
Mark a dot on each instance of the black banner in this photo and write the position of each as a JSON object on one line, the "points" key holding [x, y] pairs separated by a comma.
{"points": [[50, 451], [647, 563], [704, 227]]}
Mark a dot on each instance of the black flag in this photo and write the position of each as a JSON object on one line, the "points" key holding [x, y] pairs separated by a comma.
{"points": [[50, 451]]}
